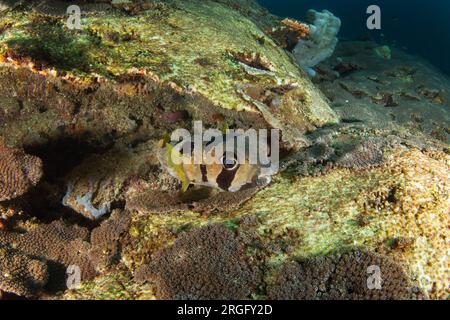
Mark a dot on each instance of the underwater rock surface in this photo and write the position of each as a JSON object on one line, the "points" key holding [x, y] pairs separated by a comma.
{"points": [[365, 179], [157, 49], [365, 87]]}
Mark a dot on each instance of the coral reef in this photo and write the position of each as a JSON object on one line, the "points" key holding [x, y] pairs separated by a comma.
{"points": [[107, 239], [84, 76], [18, 172], [306, 217], [21, 274], [278, 104], [342, 277], [384, 94], [207, 263], [364, 155], [341, 146], [406, 198], [58, 244], [364, 175]]}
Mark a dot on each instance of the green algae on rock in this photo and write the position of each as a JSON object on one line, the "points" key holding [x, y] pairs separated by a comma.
{"points": [[165, 42]]}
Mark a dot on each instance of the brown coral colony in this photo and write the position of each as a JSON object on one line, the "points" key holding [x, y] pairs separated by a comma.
{"points": [[18, 172]]}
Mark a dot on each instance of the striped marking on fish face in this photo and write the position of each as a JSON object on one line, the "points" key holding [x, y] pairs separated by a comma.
{"points": [[202, 174], [225, 173], [246, 175], [227, 177]]}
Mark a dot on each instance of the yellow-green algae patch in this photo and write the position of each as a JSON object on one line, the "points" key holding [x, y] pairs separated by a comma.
{"points": [[116, 285]]}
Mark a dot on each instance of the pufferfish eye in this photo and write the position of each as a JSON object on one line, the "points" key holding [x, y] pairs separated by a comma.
{"points": [[229, 162]]}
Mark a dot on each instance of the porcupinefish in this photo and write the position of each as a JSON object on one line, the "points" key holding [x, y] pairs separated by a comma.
{"points": [[218, 165]]}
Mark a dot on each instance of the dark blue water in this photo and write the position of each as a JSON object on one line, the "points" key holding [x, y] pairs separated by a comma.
{"points": [[423, 27]]}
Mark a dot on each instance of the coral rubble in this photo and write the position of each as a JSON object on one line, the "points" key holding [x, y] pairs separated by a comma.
{"points": [[403, 90]]}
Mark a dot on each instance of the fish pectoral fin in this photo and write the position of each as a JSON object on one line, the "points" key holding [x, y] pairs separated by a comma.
{"points": [[186, 185], [164, 141], [226, 128], [172, 154]]}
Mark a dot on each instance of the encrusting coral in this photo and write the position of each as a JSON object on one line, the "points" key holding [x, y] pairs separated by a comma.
{"points": [[107, 239], [18, 172], [207, 263], [21, 274], [58, 244], [363, 155], [60, 247], [343, 276]]}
